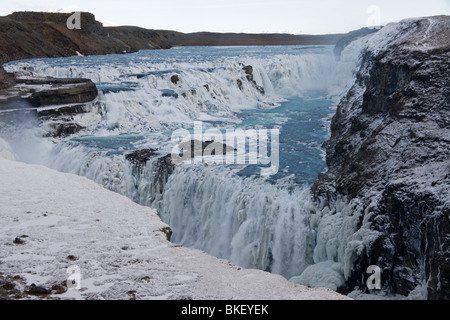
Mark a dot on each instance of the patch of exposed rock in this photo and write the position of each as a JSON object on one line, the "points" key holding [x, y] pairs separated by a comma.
{"points": [[53, 101], [25, 35]]}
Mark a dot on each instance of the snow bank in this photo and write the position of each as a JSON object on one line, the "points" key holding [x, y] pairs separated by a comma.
{"points": [[53, 221], [328, 274]]}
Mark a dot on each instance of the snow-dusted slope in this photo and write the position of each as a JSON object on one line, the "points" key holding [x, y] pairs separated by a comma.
{"points": [[385, 196], [53, 221]]}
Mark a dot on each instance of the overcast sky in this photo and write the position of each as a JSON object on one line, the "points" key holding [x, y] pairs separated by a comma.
{"points": [[256, 16]]}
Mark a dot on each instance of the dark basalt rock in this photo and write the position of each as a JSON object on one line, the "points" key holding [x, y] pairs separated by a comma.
{"points": [[64, 129], [53, 101], [45, 92], [249, 72], [175, 79], [390, 147], [249, 75], [64, 92], [163, 168], [19, 241], [38, 290], [25, 35]]}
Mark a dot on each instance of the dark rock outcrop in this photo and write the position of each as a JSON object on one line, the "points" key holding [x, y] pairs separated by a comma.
{"points": [[175, 79], [53, 101], [25, 35], [62, 91], [390, 148], [249, 72], [249, 75], [163, 168], [140, 157], [240, 85], [38, 290]]}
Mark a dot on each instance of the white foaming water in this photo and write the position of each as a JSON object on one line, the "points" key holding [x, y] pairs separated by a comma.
{"points": [[6, 151], [141, 95], [253, 223], [111, 171], [250, 221], [20, 130]]}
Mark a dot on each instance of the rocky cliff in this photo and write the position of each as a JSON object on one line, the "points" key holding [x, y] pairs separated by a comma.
{"points": [[26, 35], [388, 158]]}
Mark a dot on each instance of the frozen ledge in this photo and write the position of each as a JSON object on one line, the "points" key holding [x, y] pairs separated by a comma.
{"points": [[53, 221]]}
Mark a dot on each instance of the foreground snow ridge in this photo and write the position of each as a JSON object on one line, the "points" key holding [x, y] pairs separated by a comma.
{"points": [[54, 222]]}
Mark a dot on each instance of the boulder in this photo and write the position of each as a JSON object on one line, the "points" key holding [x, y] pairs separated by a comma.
{"points": [[249, 72], [175, 79], [62, 91]]}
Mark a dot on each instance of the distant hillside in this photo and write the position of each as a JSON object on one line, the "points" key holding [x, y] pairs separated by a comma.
{"points": [[40, 34], [244, 39]]}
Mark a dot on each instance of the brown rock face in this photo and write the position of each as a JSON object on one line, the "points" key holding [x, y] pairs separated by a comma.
{"points": [[6, 80], [25, 35]]}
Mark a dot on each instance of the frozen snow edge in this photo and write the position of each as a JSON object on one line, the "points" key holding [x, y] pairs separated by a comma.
{"points": [[52, 221]]}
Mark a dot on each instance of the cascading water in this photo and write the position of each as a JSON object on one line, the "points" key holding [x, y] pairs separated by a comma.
{"points": [[251, 222], [226, 211]]}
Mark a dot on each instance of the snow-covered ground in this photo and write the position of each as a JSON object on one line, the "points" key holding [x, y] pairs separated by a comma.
{"points": [[53, 223]]}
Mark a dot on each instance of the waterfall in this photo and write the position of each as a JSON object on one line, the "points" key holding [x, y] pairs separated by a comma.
{"points": [[251, 221]]}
